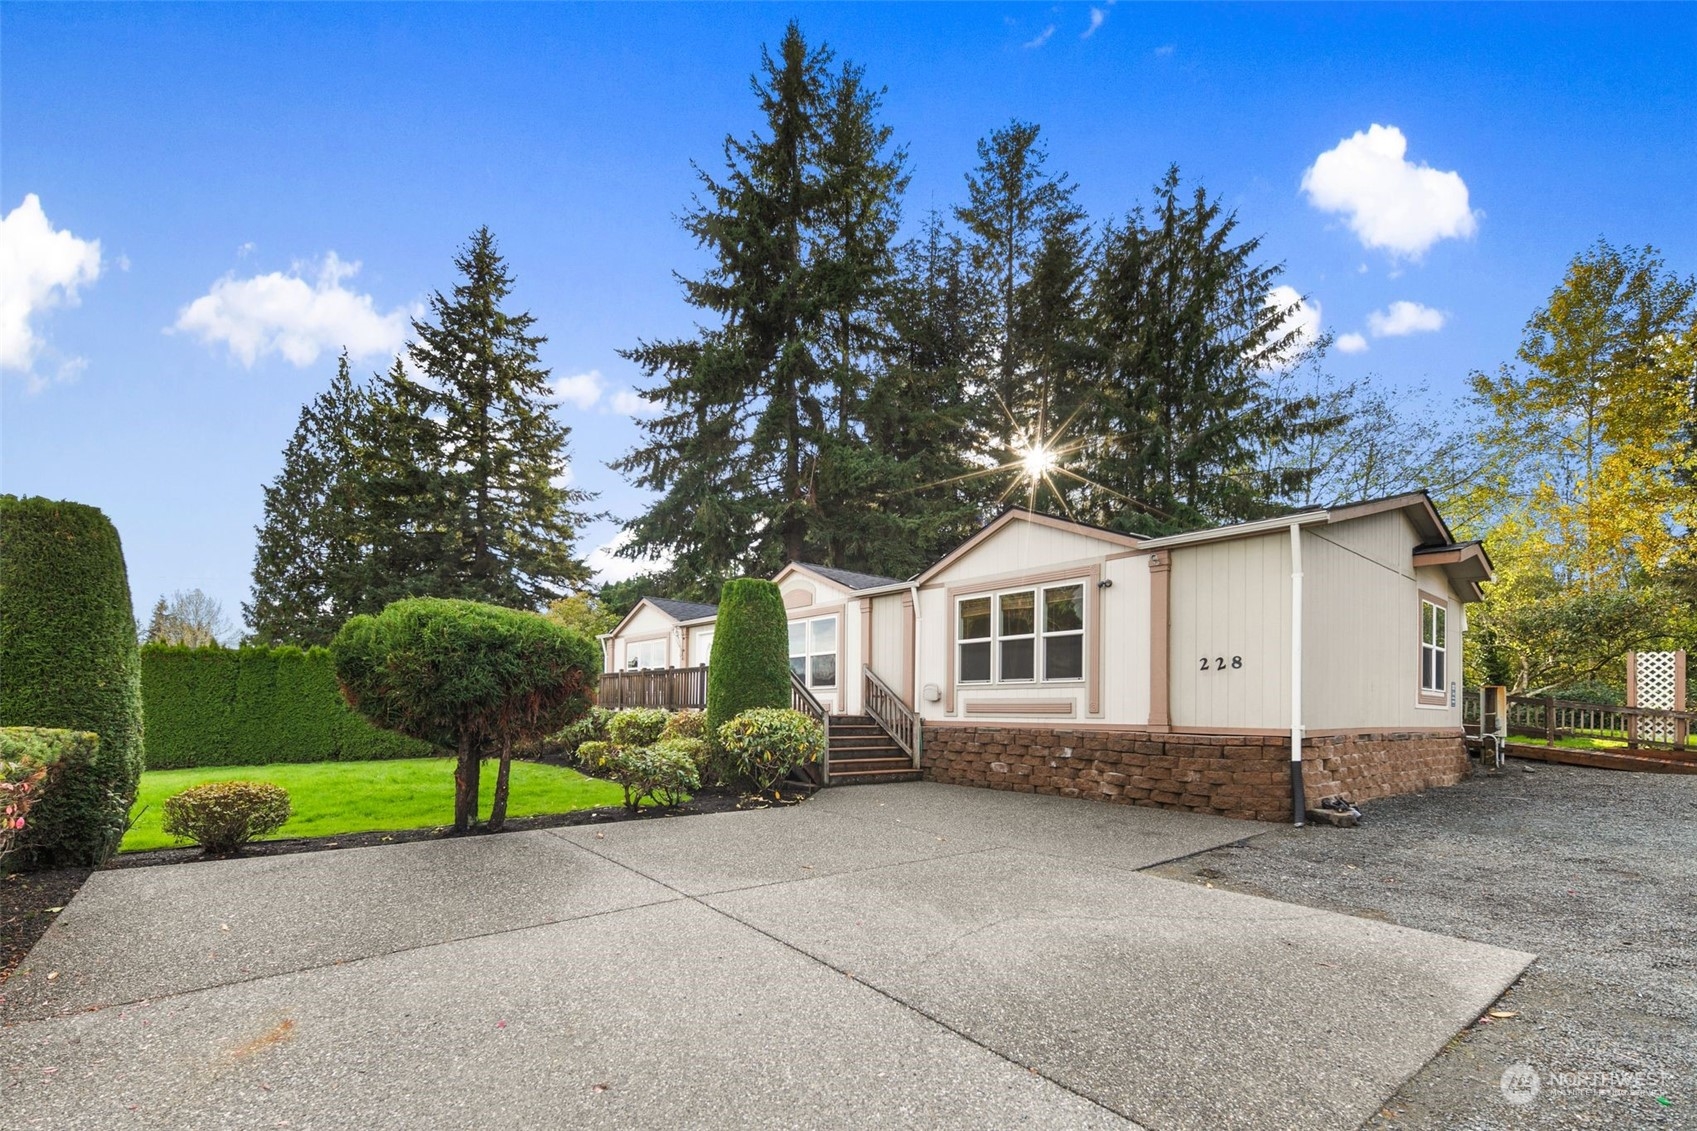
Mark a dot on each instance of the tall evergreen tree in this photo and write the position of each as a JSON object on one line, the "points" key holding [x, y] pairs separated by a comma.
{"points": [[1025, 233], [733, 451], [508, 521], [853, 269], [307, 566], [925, 411], [1184, 339]]}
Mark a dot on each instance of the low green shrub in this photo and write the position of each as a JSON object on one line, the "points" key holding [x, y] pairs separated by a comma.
{"points": [[667, 772], [673, 770], [695, 749], [762, 746], [35, 762], [686, 724], [591, 728], [223, 816], [636, 726]]}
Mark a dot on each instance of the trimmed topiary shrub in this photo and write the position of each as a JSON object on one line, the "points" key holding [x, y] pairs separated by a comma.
{"points": [[750, 663], [224, 815], [254, 706], [68, 660], [467, 677], [636, 726], [762, 746]]}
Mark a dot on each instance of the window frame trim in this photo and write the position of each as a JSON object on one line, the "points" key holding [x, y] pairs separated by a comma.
{"points": [[1439, 696], [1038, 586]]}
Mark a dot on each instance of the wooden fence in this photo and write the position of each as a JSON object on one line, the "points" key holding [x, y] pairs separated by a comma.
{"points": [[673, 689], [1550, 719]]}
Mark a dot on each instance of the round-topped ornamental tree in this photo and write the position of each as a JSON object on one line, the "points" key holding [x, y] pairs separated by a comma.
{"points": [[468, 678]]}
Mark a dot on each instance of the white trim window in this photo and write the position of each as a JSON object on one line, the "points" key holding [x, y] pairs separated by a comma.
{"points": [[813, 651], [1434, 649], [645, 654], [1004, 637]]}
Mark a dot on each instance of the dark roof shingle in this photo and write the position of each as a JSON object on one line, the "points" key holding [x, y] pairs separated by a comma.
{"points": [[850, 578], [683, 610]]}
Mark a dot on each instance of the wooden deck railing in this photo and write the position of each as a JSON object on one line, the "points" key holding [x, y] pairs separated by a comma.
{"points": [[1549, 719], [896, 717], [808, 704], [674, 689]]}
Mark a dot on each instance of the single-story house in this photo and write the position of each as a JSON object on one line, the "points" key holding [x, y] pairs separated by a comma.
{"points": [[1051, 656]]}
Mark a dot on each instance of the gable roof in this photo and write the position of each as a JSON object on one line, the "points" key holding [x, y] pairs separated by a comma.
{"points": [[683, 610], [848, 577], [1020, 514]]}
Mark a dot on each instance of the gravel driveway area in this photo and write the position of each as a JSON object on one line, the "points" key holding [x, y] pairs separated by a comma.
{"points": [[1594, 870]]}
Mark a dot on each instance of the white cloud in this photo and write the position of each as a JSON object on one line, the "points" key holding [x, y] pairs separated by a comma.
{"points": [[1304, 318], [1351, 343], [608, 566], [581, 389], [1391, 203], [1165, 51], [1402, 318], [41, 267], [1098, 17], [1041, 37], [564, 478], [628, 403], [294, 317]]}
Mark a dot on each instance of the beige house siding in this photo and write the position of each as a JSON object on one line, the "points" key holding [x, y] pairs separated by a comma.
{"points": [[649, 623], [1024, 547], [1231, 600], [892, 658], [1361, 627]]}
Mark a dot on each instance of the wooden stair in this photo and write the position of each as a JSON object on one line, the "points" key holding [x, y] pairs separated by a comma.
{"points": [[862, 753]]}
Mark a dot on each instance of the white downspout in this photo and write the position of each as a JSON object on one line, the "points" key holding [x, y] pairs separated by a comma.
{"points": [[918, 687], [1298, 804]]}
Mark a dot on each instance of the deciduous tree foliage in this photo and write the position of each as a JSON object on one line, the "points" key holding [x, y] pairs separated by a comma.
{"points": [[1590, 519]]}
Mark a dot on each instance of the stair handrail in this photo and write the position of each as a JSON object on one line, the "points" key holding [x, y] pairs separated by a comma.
{"points": [[803, 700], [897, 719]]}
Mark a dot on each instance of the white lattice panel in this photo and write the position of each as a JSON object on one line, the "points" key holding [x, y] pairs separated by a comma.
{"points": [[1657, 680]]}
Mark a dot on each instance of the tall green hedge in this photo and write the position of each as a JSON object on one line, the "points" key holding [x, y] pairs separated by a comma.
{"points": [[254, 706], [68, 661], [750, 664]]}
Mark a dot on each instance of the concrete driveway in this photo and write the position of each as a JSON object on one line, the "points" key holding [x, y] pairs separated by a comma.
{"points": [[889, 956]]}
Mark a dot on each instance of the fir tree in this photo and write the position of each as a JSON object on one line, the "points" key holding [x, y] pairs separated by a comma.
{"points": [[307, 567], [1183, 339], [485, 438], [925, 411], [732, 452], [1023, 224]]}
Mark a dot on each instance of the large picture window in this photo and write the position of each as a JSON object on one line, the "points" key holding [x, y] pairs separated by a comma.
{"points": [[813, 651], [645, 654], [1434, 650], [1021, 636]]}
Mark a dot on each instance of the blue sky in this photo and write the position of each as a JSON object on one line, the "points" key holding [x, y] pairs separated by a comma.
{"points": [[226, 153]]}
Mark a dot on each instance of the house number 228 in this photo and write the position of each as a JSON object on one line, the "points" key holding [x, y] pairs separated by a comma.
{"points": [[1220, 664]]}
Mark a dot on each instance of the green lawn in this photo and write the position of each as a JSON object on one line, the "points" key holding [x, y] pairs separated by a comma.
{"points": [[330, 798]]}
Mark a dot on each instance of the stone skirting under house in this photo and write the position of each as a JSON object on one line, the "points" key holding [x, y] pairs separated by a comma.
{"points": [[1244, 776]]}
